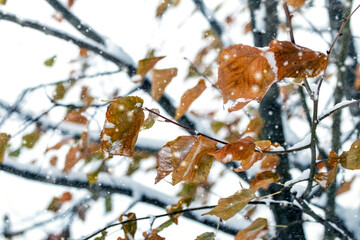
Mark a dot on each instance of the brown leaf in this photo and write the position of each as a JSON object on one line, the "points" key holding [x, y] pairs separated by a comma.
{"points": [[352, 159], [65, 197], [153, 235], [130, 227], [59, 144], [295, 3], [53, 161], [124, 118], [325, 179], [145, 65], [345, 186], [54, 205], [257, 230], [197, 163], [228, 207], [236, 151], [85, 96], [243, 75], [270, 162], [75, 116], [172, 154], [162, 8], [256, 125], [263, 179], [150, 120], [83, 52], [188, 97], [4, 139], [161, 78], [357, 79], [295, 61], [72, 157], [70, 3]]}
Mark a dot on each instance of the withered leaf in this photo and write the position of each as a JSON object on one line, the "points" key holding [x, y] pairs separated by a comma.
{"points": [[245, 73], [153, 235], [256, 125], [29, 140], [269, 162], [150, 120], [124, 118], [75, 116], [162, 8], [352, 157], [256, 230], [2, 2], [206, 236], [54, 205], [189, 97], [59, 144], [161, 78], [263, 179], [4, 139], [172, 154], [325, 179], [72, 157], [197, 163], [129, 227], [345, 186], [50, 61], [236, 151], [65, 197], [228, 207], [295, 3], [145, 65]]}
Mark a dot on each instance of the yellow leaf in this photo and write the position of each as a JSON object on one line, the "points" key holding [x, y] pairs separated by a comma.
{"points": [[161, 78], [50, 62], [256, 125], [352, 157], [124, 118], [228, 207], [2, 2], [188, 97], [29, 140], [145, 65], [257, 230], [4, 139]]}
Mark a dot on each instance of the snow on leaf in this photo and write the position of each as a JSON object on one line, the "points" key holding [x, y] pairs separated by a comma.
{"points": [[263, 179], [243, 74], [172, 154], [197, 163], [145, 65], [352, 157], [129, 227], [228, 207], [189, 97], [153, 235], [302, 62], [246, 73], [161, 78], [206, 236], [236, 151], [124, 118], [4, 139], [325, 179], [256, 230], [295, 3]]}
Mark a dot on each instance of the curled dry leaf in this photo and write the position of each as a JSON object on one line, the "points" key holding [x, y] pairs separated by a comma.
{"points": [[189, 97], [325, 179], [245, 73], [295, 3], [161, 78], [351, 159], [187, 158], [256, 230], [4, 139], [228, 207], [124, 118], [145, 65]]}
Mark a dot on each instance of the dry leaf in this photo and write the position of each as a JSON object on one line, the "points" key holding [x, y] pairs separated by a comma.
{"points": [[124, 118], [76, 116], [150, 120], [130, 227], [270, 162], [152, 236], [72, 157], [228, 207], [4, 139], [295, 3], [352, 157], [188, 97], [145, 65], [263, 179], [161, 78], [345, 186], [206, 236], [257, 230], [59, 144]]}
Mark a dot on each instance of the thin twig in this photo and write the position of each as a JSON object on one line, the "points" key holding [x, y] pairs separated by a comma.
{"points": [[288, 22], [323, 116]]}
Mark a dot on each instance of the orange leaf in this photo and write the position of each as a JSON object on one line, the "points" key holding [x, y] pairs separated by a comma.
{"points": [[325, 179], [295, 3], [295, 61], [65, 197], [145, 65], [59, 144], [124, 118], [172, 154], [153, 235], [188, 97], [161, 78], [72, 157], [256, 125], [76, 116], [257, 230], [357, 79], [228, 207], [263, 179], [70, 3], [345, 186], [197, 163], [236, 151], [53, 161], [243, 75], [269, 162], [4, 139]]}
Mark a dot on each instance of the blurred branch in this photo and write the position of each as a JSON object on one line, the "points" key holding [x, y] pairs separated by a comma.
{"points": [[76, 23], [121, 185]]}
